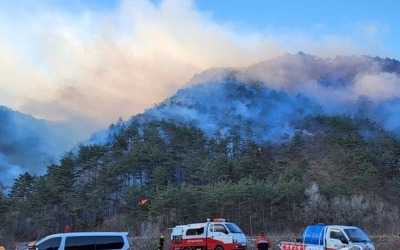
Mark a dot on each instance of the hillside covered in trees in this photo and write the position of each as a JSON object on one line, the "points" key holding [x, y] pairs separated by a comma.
{"points": [[265, 158], [342, 170]]}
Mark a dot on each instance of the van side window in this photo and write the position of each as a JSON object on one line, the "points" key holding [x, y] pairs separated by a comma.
{"points": [[94, 242], [220, 228], [50, 244], [195, 231], [337, 234]]}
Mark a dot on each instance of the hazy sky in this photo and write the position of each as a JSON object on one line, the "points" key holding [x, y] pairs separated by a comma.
{"points": [[95, 61]]}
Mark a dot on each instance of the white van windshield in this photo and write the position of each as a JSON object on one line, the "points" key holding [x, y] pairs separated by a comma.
{"points": [[233, 228], [357, 235]]}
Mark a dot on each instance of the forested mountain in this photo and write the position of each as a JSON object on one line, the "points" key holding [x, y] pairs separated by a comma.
{"points": [[319, 147]]}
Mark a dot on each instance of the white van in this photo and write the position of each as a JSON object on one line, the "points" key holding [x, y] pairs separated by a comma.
{"points": [[85, 240], [217, 234]]}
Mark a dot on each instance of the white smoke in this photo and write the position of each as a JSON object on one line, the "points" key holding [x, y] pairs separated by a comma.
{"points": [[71, 61]]}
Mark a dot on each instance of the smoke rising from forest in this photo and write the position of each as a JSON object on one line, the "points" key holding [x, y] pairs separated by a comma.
{"points": [[290, 87], [268, 96], [62, 61], [86, 68], [30, 145]]}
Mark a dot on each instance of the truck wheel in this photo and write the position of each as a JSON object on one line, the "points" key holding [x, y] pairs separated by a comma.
{"points": [[219, 248]]}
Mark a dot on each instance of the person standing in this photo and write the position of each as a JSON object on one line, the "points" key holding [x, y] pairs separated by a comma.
{"points": [[262, 242], [161, 243], [67, 229]]}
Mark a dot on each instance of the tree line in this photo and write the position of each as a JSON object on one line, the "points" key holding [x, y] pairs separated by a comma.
{"points": [[333, 169]]}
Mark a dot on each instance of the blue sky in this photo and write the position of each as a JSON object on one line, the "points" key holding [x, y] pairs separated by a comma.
{"points": [[375, 21], [59, 58], [302, 14]]}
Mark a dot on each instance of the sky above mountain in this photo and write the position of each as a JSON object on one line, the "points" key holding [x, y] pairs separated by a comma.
{"points": [[91, 62]]}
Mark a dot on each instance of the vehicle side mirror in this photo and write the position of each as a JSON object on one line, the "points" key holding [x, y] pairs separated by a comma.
{"points": [[344, 240]]}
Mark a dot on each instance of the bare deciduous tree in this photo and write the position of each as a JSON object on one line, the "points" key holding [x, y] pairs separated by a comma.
{"points": [[315, 206]]}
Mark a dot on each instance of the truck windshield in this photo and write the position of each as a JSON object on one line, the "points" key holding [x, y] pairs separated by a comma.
{"points": [[357, 235], [233, 228]]}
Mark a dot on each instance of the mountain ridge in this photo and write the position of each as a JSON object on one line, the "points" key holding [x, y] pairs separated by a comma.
{"points": [[220, 99], [309, 85], [29, 144]]}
